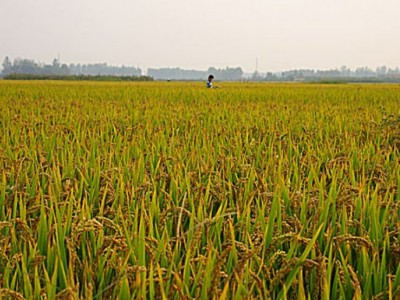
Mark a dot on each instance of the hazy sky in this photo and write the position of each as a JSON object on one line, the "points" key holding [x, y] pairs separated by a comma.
{"points": [[282, 34]]}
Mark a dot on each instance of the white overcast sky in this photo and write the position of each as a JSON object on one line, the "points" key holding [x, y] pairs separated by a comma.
{"points": [[282, 34]]}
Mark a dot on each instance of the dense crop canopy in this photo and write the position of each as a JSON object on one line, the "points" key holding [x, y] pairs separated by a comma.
{"points": [[172, 190]]}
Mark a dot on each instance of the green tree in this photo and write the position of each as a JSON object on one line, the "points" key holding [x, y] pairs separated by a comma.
{"points": [[7, 66]]}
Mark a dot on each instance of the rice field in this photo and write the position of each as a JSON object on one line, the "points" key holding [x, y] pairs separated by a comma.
{"points": [[174, 191]]}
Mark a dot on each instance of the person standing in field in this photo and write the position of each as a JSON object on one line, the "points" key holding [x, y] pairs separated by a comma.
{"points": [[209, 81]]}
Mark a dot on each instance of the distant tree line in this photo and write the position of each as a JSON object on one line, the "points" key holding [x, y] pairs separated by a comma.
{"points": [[102, 71], [77, 77], [180, 74], [366, 74], [29, 66]]}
